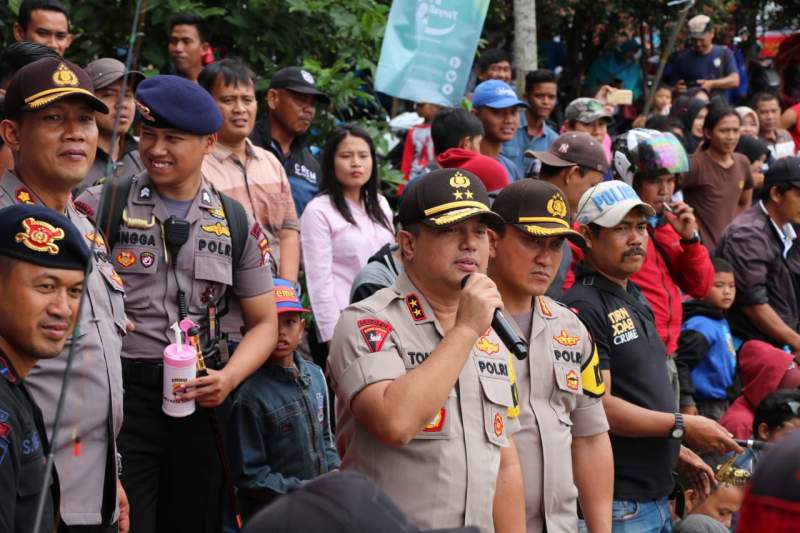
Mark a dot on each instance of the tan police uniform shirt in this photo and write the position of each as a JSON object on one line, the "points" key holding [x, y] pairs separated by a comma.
{"points": [[446, 476], [560, 388], [95, 387], [204, 267]]}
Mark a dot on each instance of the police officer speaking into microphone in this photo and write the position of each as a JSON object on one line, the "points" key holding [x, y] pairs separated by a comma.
{"points": [[42, 262], [51, 130], [183, 250], [422, 381], [563, 428]]}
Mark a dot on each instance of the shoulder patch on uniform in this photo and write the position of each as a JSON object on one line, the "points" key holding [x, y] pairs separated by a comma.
{"points": [[415, 308], [565, 339], [591, 376], [374, 332], [83, 208]]}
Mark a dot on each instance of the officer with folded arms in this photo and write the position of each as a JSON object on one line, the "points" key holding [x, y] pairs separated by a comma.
{"points": [[42, 261], [183, 251], [422, 381], [51, 130]]}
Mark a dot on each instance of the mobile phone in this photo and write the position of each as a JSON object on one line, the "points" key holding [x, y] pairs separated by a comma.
{"points": [[620, 97]]}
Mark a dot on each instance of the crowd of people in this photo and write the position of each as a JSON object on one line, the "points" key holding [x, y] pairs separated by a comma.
{"points": [[589, 324]]}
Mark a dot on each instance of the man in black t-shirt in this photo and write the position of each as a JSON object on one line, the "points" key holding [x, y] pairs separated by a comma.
{"points": [[646, 429]]}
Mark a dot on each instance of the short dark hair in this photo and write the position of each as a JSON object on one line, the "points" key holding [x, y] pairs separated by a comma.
{"points": [[17, 55], [781, 187], [535, 77], [27, 7], [490, 57], [450, 125], [720, 265], [233, 71], [191, 19], [775, 409], [763, 96]]}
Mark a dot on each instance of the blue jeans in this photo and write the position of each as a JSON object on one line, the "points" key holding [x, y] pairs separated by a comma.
{"points": [[630, 516]]}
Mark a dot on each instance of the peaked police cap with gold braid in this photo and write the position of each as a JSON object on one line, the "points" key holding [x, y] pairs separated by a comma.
{"points": [[46, 81], [446, 197]]}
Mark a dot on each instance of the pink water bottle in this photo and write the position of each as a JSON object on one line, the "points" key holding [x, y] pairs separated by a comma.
{"points": [[180, 366]]}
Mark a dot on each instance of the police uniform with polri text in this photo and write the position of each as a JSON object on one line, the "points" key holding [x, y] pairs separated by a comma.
{"points": [[560, 384], [160, 451], [37, 235], [445, 476], [85, 453]]}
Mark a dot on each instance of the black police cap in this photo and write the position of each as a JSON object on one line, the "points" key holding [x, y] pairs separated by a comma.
{"points": [[38, 235], [446, 197]]}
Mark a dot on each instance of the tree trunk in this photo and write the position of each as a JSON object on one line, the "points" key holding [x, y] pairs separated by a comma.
{"points": [[525, 49]]}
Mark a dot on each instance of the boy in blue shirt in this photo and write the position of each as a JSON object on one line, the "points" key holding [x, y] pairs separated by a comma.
{"points": [[279, 434], [706, 356]]}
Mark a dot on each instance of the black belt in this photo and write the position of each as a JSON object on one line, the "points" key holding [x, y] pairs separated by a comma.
{"points": [[150, 372]]}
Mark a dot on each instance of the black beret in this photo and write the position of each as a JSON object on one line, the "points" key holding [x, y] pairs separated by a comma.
{"points": [[173, 102], [38, 235]]}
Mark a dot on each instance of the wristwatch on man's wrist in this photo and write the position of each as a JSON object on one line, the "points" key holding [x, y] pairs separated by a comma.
{"points": [[677, 430], [693, 239]]}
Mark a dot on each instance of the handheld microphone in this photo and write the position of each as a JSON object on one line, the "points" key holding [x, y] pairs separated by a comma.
{"points": [[753, 444], [504, 330]]}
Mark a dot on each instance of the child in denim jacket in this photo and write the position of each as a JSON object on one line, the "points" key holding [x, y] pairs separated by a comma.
{"points": [[279, 434]]}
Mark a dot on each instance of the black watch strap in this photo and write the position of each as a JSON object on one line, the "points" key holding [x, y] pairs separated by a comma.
{"points": [[695, 238]]}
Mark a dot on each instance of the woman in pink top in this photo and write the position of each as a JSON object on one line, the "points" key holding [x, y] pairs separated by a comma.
{"points": [[343, 225]]}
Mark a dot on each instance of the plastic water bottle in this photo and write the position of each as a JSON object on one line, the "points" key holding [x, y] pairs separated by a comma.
{"points": [[180, 366]]}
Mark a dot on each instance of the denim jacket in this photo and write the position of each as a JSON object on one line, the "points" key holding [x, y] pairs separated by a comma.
{"points": [[279, 433]]}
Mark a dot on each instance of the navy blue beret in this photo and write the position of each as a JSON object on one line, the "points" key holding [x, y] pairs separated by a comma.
{"points": [[173, 102], [38, 235]]}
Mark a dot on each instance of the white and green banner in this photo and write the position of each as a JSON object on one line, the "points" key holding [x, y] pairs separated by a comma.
{"points": [[428, 49]]}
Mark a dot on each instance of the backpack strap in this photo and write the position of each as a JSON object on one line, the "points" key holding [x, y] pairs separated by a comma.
{"points": [[237, 222], [110, 213]]}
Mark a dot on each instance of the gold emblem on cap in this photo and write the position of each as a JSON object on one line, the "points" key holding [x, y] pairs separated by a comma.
{"points": [[459, 181], [556, 206], [39, 236], [144, 111], [64, 77]]}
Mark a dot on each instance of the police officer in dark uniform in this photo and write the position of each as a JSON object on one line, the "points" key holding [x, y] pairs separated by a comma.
{"points": [[292, 98], [42, 262], [176, 251]]}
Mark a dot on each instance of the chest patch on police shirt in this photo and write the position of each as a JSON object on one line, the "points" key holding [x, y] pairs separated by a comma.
{"points": [[374, 332], [487, 346], [622, 327], [565, 339]]}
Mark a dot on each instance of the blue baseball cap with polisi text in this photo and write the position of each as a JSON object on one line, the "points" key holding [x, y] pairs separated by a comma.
{"points": [[607, 203], [497, 95]]}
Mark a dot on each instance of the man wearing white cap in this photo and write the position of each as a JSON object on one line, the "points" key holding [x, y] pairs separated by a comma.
{"points": [[704, 64], [646, 429]]}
